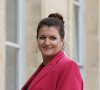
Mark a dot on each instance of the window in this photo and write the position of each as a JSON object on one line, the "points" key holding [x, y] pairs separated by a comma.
{"points": [[14, 44], [78, 17]]}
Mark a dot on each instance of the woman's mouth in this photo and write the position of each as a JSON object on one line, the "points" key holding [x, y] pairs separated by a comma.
{"points": [[47, 48]]}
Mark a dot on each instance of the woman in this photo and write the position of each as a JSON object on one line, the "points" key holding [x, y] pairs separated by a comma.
{"points": [[56, 72]]}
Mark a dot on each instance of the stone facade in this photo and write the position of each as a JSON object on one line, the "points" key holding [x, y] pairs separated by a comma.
{"points": [[32, 17], [2, 45], [99, 42], [92, 45]]}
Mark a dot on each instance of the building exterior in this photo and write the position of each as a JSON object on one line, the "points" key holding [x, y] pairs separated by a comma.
{"points": [[18, 23]]}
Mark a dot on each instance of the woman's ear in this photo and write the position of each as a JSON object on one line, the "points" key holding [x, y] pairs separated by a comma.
{"points": [[62, 45], [62, 40]]}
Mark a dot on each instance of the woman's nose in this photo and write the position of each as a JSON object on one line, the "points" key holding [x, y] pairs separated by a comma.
{"points": [[47, 41]]}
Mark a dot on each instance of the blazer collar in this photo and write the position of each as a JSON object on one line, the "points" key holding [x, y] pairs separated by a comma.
{"points": [[33, 76], [42, 73], [56, 58], [47, 68]]}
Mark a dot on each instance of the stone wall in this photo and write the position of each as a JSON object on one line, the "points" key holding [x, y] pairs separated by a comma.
{"points": [[99, 41], [32, 18], [2, 45], [92, 45]]}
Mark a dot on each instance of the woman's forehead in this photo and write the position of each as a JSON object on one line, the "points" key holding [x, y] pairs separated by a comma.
{"points": [[48, 30]]}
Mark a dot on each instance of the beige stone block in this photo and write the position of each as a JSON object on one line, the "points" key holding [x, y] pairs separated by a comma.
{"points": [[2, 45], [92, 45], [91, 79], [29, 73], [2, 20], [32, 18], [2, 6], [48, 6], [99, 42], [92, 48], [91, 16]]}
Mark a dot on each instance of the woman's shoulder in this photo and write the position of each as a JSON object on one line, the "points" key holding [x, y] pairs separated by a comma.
{"points": [[66, 63]]}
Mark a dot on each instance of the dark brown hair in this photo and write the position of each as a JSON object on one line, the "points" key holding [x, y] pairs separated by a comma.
{"points": [[53, 19]]}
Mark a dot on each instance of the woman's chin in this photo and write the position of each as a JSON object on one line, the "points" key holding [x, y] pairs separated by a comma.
{"points": [[47, 54]]}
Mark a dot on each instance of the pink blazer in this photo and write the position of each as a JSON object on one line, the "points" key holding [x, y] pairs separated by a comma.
{"points": [[60, 73]]}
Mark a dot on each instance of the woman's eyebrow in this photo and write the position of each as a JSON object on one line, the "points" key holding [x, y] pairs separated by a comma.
{"points": [[50, 35], [53, 36], [41, 35]]}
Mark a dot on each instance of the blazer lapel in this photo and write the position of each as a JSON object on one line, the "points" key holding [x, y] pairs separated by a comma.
{"points": [[40, 75], [46, 69], [33, 76]]}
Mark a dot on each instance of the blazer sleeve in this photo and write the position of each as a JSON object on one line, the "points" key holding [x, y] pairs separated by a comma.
{"points": [[71, 78]]}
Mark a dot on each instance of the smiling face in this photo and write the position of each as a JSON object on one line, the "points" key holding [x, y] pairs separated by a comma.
{"points": [[49, 41]]}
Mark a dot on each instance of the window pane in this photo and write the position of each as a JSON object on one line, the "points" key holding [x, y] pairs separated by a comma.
{"points": [[76, 17], [76, 33], [11, 20], [11, 58], [76, 0]]}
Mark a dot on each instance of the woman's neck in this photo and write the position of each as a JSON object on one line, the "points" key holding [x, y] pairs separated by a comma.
{"points": [[46, 59]]}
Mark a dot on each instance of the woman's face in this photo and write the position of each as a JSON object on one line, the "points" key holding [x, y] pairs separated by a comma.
{"points": [[49, 41]]}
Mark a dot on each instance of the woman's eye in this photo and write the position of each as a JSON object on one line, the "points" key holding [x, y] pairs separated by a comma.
{"points": [[42, 37], [53, 38]]}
